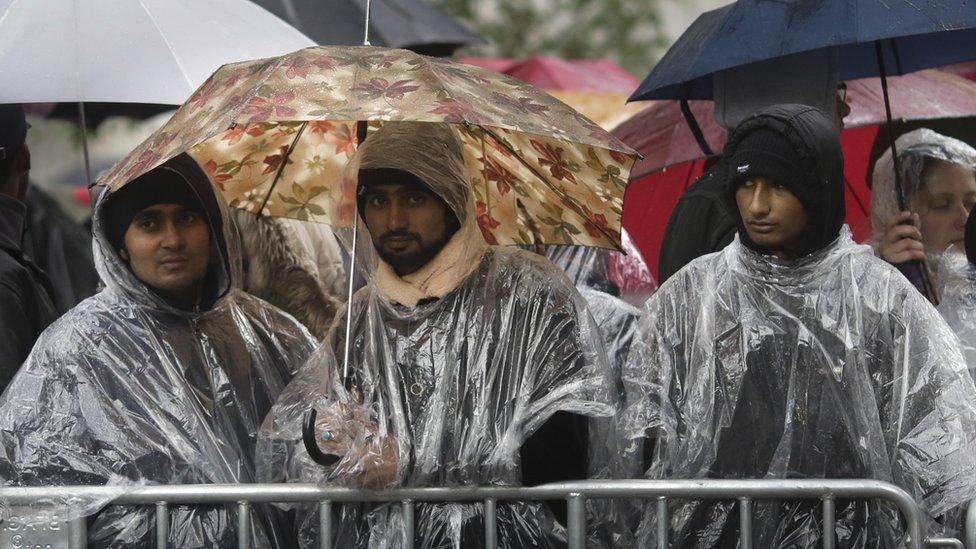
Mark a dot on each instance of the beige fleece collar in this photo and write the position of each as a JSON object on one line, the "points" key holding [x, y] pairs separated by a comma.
{"points": [[458, 259]]}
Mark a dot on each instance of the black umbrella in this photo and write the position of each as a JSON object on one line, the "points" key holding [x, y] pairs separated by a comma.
{"points": [[409, 24]]}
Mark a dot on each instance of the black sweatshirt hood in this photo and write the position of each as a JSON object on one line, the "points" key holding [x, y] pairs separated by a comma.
{"points": [[223, 271], [820, 162]]}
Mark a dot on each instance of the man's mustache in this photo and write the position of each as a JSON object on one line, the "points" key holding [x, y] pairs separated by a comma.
{"points": [[399, 234]]}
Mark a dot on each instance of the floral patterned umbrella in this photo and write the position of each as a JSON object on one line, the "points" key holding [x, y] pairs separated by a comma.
{"points": [[275, 136]]}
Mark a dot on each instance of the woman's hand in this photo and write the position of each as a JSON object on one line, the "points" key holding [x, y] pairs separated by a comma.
{"points": [[902, 242]]}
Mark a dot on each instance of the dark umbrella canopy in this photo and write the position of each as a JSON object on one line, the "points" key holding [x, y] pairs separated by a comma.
{"points": [[409, 24], [914, 36]]}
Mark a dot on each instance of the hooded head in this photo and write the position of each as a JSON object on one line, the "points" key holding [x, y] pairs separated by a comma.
{"points": [[786, 180], [938, 176], [165, 229], [418, 167]]}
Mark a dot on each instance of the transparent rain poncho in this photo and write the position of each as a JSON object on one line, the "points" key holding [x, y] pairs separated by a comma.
{"points": [[958, 305], [127, 390], [916, 149], [829, 366], [452, 369]]}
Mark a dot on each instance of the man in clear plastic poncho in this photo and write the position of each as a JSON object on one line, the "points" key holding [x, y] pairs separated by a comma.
{"points": [[469, 364], [795, 353], [164, 376]]}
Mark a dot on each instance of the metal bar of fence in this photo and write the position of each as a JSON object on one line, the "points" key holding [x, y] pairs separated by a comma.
{"points": [[243, 524], [829, 510], [325, 525], [78, 532], [576, 520], [162, 524], [662, 523], [408, 523], [745, 523], [576, 492], [971, 525], [491, 524], [944, 542]]}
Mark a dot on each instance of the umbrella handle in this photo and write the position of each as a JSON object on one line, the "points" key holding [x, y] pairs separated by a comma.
{"points": [[311, 445]]}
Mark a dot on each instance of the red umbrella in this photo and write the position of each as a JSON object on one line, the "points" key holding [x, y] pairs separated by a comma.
{"points": [[673, 159], [598, 88]]}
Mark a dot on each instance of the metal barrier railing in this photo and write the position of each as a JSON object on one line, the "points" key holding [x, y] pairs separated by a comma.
{"points": [[575, 493]]}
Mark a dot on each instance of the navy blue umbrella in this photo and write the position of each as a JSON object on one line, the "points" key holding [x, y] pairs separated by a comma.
{"points": [[912, 34], [869, 37]]}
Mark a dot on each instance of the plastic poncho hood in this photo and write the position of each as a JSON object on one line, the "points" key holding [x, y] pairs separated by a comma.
{"points": [[455, 365], [126, 389], [817, 151], [829, 366]]}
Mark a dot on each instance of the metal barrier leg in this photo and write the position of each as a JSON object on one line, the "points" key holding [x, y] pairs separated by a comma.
{"points": [[325, 525], [408, 523], [78, 532], [745, 523], [971, 525], [829, 512], [576, 517], [491, 526], [162, 524], [662, 523], [243, 525]]}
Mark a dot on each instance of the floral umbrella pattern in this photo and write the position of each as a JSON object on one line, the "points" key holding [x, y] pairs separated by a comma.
{"points": [[275, 136]]}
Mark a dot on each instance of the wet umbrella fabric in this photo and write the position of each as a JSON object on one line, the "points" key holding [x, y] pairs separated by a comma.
{"points": [[277, 134], [152, 51], [914, 36], [409, 24]]}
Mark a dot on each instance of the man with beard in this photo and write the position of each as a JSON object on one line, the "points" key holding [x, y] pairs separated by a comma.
{"points": [[469, 364], [796, 353]]}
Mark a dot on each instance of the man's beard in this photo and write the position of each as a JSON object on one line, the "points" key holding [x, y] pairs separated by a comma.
{"points": [[407, 262]]}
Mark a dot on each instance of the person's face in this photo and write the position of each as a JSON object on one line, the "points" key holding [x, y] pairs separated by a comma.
{"points": [[167, 246], [773, 216], [946, 197], [408, 225]]}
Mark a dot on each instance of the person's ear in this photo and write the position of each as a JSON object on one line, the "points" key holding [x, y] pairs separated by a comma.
{"points": [[124, 254]]}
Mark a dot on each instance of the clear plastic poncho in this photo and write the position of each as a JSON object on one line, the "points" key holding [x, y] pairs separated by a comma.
{"points": [[127, 390], [829, 366], [958, 305], [915, 148], [452, 369]]}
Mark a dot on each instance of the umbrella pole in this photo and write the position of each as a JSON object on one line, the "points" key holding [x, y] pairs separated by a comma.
{"points": [[695, 128], [352, 275], [369, 7], [84, 143], [899, 188]]}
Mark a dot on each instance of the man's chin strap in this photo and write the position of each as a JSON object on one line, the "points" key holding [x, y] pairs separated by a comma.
{"points": [[456, 260]]}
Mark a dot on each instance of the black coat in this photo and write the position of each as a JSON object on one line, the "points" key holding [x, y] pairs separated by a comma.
{"points": [[26, 307], [700, 223]]}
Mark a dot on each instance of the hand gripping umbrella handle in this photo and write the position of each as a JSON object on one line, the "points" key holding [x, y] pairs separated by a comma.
{"points": [[312, 445]]}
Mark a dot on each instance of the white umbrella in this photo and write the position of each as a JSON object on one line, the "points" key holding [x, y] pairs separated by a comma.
{"points": [[129, 51]]}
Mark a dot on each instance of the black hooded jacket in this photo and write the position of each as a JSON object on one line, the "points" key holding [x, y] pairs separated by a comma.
{"points": [[26, 302]]}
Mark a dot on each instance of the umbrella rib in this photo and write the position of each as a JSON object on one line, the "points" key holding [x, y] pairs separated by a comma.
{"points": [[169, 46], [561, 194], [281, 168]]}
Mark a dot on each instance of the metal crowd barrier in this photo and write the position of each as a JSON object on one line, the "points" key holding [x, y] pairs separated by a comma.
{"points": [[575, 493]]}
